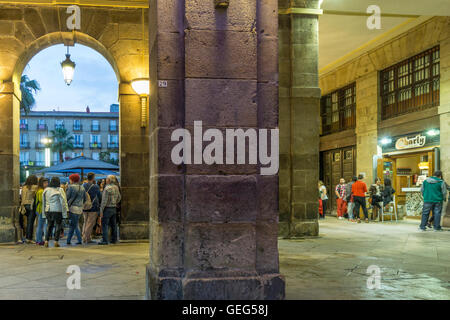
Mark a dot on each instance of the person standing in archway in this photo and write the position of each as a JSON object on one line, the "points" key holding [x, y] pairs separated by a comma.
{"points": [[434, 191], [28, 199], [43, 184], [108, 210], [76, 197], [90, 216], [55, 207]]}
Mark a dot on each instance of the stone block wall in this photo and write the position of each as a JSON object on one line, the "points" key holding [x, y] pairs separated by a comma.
{"points": [[213, 228]]}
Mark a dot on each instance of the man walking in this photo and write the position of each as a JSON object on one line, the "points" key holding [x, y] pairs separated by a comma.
{"points": [[340, 199], [359, 190], [434, 191], [90, 216], [108, 210]]}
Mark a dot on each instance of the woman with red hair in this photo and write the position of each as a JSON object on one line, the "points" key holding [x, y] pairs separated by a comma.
{"points": [[76, 197]]}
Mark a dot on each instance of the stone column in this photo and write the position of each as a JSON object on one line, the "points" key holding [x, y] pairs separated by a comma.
{"points": [[213, 228], [134, 166], [299, 102], [444, 116], [9, 158], [366, 124]]}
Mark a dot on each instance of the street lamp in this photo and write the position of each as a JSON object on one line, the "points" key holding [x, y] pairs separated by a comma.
{"points": [[68, 68], [46, 142], [142, 87]]}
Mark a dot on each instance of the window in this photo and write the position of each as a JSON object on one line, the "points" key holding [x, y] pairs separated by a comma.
{"points": [[55, 157], [24, 140], [95, 125], [95, 155], [41, 125], [113, 125], [40, 158], [24, 157], [23, 124], [338, 110], [77, 125], [40, 137], [95, 141], [78, 141], [59, 124], [411, 85], [113, 141]]}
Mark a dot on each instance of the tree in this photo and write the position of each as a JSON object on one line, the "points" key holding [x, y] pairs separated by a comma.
{"points": [[28, 88], [62, 141]]}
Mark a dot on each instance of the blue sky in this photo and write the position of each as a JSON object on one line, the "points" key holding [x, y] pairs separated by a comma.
{"points": [[94, 83]]}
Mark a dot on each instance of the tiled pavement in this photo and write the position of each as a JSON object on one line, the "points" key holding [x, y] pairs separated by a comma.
{"points": [[413, 265]]}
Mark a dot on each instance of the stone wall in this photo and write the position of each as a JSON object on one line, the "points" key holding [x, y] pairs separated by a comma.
{"points": [[121, 36], [299, 119], [213, 228]]}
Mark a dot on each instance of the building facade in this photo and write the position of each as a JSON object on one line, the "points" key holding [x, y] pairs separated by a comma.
{"points": [[385, 111], [96, 135]]}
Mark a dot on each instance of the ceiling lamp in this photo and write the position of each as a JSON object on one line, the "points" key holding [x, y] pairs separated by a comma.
{"points": [[68, 68]]}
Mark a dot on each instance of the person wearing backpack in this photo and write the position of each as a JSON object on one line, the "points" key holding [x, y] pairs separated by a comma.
{"points": [[90, 215], [55, 207], [76, 198]]}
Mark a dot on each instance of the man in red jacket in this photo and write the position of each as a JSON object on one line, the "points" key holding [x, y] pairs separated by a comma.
{"points": [[359, 190]]}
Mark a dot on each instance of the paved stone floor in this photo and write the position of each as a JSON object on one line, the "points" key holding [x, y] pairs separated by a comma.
{"points": [[333, 266]]}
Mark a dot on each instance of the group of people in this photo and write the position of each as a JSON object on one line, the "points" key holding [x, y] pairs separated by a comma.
{"points": [[49, 202], [350, 197]]}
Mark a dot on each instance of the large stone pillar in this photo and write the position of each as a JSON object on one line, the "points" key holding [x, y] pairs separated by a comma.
{"points": [[9, 158], [213, 228], [299, 102], [444, 116], [134, 166]]}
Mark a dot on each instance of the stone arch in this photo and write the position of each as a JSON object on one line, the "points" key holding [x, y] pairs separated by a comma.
{"points": [[120, 34], [55, 38]]}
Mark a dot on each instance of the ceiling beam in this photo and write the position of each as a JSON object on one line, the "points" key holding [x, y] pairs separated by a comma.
{"points": [[81, 3]]}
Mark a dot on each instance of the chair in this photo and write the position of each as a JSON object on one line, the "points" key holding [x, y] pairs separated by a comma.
{"points": [[391, 212]]}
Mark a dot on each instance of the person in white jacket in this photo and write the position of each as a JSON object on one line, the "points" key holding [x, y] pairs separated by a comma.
{"points": [[55, 206]]}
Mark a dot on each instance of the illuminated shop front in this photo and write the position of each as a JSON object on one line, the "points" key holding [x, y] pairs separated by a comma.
{"points": [[407, 160]]}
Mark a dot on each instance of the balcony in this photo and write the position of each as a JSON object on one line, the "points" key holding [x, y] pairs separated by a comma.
{"points": [[26, 163], [39, 163], [24, 126], [113, 128], [95, 145], [78, 127], [95, 128], [24, 145], [78, 145], [59, 126], [41, 127], [113, 145]]}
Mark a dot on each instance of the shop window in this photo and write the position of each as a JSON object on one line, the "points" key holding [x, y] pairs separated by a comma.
{"points": [[348, 155], [411, 85], [338, 110], [336, 156]]}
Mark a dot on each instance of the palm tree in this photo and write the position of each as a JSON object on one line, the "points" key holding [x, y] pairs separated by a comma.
{"points": [[62, 141], [28, 88]]}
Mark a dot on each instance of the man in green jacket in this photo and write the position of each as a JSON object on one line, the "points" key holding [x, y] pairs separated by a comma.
{"points": [[434, 191]]}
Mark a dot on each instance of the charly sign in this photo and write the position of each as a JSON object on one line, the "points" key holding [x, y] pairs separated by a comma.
{"points": [[411, 141]]}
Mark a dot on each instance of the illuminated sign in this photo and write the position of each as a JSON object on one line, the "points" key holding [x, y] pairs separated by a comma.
{"points": [[409, 143]]}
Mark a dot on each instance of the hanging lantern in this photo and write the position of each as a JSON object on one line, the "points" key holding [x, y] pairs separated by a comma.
{"points": [[68, 68]]}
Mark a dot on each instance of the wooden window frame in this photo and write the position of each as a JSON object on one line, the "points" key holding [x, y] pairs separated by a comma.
{"points": [[346, 104], [403, 87]]}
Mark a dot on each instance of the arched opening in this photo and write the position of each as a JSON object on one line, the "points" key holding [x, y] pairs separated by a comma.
{"points": [[84, 116]]}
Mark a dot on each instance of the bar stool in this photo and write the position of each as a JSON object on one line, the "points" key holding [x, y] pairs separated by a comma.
{"points": [[389, 213]]}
